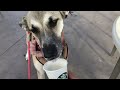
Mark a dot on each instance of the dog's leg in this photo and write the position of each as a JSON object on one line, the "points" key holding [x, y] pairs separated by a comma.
{"points": [[41, 74], [39, 68], [26, 56]]}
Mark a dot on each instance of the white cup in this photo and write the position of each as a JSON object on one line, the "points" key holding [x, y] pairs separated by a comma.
{"points": [[56, 69]]}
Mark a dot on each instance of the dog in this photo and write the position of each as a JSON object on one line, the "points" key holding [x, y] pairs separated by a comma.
{"points": [[47, 27]]}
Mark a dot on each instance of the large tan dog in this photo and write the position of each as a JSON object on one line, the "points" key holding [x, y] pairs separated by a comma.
{"points": [[47, 27]]}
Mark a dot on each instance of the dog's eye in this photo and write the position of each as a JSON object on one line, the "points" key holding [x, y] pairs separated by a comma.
{"points": [[52, 22], [34, 29]]}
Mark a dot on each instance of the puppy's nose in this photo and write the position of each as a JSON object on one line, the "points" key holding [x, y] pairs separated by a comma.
{"points": [[50, 51]]}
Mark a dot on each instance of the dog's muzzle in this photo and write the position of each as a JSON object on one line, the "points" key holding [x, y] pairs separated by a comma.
{"points": [[51, 51]]}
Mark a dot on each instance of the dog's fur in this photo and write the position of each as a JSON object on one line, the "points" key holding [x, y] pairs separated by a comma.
{"points": [[46, 26]]}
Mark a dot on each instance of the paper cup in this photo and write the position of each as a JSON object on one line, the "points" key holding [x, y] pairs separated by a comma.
{"points": [[56, 69]]}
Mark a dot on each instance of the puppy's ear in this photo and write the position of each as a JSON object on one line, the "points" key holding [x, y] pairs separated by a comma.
{"points": [[23, 24], [64, 14]]}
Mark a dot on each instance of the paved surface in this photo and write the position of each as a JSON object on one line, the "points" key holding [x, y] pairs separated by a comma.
{"points": [[88, 35]]}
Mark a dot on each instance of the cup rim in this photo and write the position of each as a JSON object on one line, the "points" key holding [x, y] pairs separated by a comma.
{"points": [[54, 70]]}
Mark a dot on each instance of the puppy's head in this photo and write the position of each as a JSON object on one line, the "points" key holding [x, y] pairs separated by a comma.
{"points": [[47, 26]]}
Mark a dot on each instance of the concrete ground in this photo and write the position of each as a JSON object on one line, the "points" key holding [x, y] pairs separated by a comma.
{"points": [[88, 34]]}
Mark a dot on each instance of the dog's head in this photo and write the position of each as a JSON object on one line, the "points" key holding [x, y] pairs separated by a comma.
{"points": [[47, 27]]}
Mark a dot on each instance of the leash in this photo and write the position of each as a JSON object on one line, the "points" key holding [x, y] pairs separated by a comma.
{"points": [[24, 25]]}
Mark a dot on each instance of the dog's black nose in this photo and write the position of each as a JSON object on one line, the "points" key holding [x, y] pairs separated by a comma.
{"points": [[50, 51], [66, 16]]}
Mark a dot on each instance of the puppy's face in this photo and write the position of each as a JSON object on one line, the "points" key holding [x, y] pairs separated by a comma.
{"points": [[47, 27]]}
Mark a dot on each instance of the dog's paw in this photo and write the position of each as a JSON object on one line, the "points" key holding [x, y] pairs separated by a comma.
{"points": [[26, 56]]}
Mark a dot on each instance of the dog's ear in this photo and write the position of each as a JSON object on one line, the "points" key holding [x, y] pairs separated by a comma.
{"points": [[64, 14], [23, 23]]}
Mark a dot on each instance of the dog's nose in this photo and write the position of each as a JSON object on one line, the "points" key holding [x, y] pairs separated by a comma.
{"points": [[50, 51], [66, 16]]}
